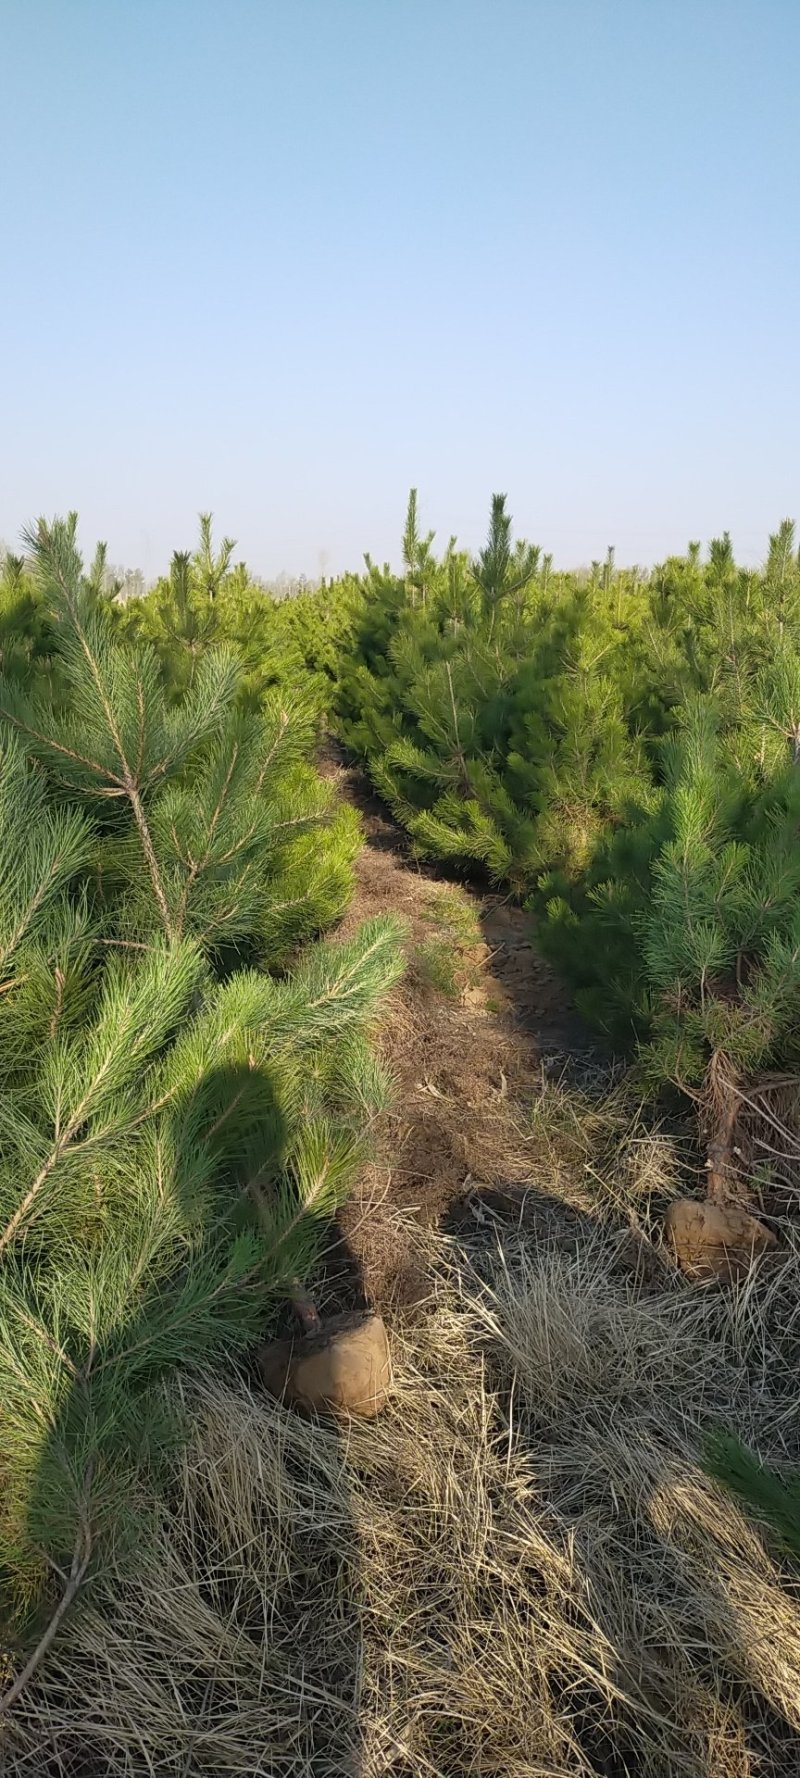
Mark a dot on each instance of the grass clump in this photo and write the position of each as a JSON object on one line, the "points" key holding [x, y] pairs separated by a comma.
{"points": [[449, 961], [457, 913], [438, 966]]}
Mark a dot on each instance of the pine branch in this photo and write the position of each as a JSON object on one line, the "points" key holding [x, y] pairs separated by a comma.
{"points": [[81, 1558], [150, 857]]}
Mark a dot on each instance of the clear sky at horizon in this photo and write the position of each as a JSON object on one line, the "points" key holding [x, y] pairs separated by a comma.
{"points": [[286, 258]]}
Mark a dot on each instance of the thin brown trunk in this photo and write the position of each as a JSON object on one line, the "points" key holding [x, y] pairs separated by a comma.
{"points": [[722, 1112], [77, 1573]]}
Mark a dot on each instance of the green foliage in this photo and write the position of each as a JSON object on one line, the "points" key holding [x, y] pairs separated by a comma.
{"points": [[177, 1121], [26, 637], [773, 1498], [483, 697], [290, 644], [621, 749], [721, 937]]}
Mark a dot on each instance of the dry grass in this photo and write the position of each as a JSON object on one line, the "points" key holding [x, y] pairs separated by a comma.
{"points": [[520, 1571]]}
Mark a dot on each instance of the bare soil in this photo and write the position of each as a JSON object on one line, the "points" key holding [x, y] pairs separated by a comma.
{"points": [[464, 1062]]}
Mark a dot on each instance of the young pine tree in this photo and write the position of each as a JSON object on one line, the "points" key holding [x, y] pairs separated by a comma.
{"points": [[176, 1122], [721, 937], [281, 643], [695, 915], [424, 701]]}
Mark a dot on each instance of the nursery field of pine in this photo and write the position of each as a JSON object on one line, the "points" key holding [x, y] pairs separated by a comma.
{"points": [[427, 943]]}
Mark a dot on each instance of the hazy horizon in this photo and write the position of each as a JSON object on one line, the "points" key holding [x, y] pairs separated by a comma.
{"points": [[277, 576], [285, 261]]}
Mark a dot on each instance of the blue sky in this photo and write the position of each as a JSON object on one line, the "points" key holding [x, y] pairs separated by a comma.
{"points": [[284, 258]]}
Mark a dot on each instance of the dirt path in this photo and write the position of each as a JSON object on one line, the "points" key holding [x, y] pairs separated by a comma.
{"points": [[474, 1025]]}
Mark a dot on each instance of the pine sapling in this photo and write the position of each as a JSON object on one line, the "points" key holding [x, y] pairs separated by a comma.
{"points": [[177, 1123]]}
